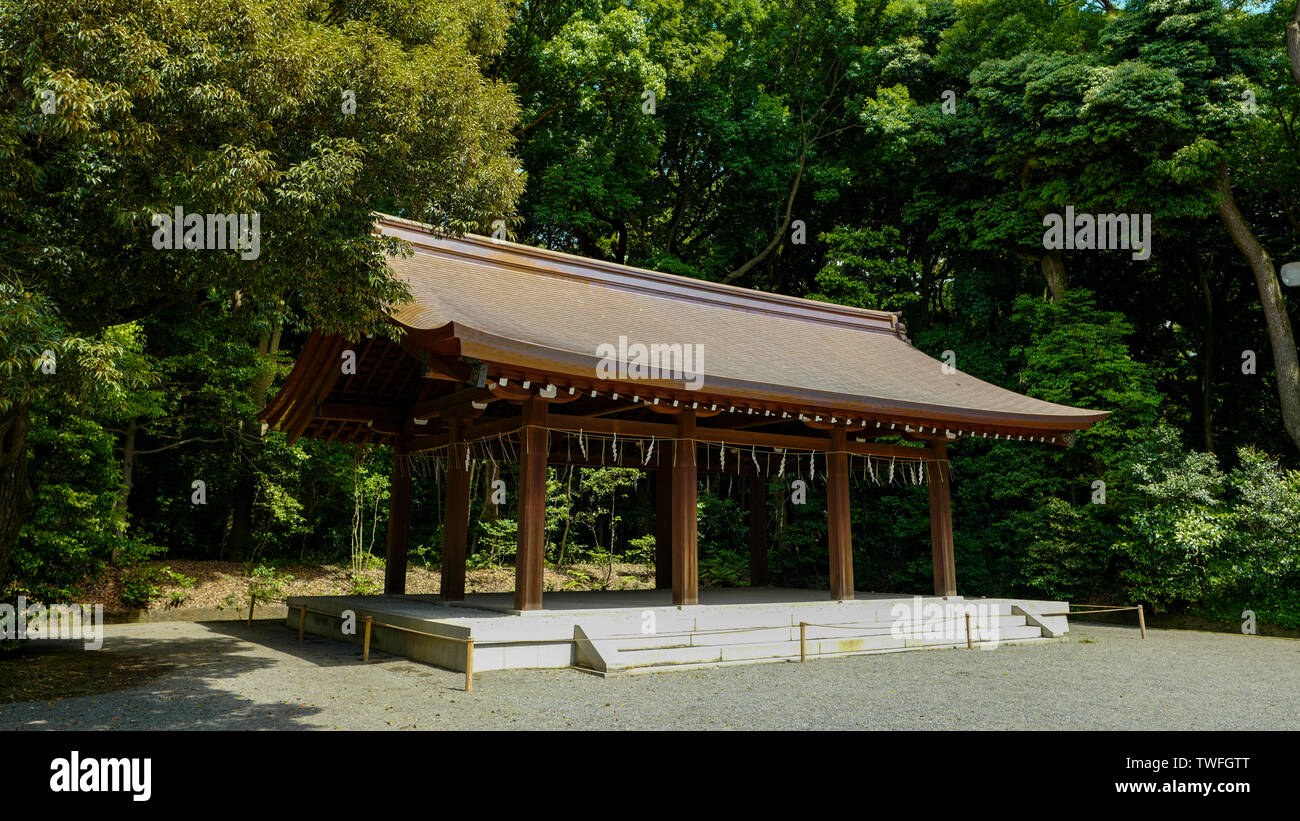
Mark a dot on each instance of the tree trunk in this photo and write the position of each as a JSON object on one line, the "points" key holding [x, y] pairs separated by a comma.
{"points": [[1207, 357], [123, 500], [1053, 265], [128, 471], [15, 493], [1281, 337], [785, 221], [241, 512], [1293, 44], [245, 489]]}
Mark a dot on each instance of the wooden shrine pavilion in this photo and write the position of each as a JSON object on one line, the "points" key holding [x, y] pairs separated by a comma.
{"points": [[513, 353]]}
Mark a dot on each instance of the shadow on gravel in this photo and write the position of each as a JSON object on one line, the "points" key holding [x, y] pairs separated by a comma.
{"points": [[157, 682], [317, 650], [65, 669]]}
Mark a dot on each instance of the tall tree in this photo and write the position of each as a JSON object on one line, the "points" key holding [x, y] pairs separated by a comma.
{"points": [[309, 115]]}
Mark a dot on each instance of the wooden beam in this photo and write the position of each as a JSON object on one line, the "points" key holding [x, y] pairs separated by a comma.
{"points": [[669, 410], [435, 367], [455, 528], [351, 412], [436, 407], [564, 454], [757, 531], [839, 530], [611, 411], [645, 430], [510, 392], [941, 545], [628, 427], [686, 584], [663, 528], [530, 558], [399, 521], [472, 433]]}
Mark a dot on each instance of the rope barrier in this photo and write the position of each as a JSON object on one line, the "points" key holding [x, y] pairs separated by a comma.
{"points": [[1105, 608]]}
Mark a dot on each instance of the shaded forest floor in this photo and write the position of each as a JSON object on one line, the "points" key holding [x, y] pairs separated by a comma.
{"points": [[225, 584]]}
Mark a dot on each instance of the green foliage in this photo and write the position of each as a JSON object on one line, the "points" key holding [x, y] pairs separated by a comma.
{"points": [[141, 585], [1078, 356], [73, 529], [114, 112], [1176, 533], [578, 579], [500, 538], [267, 584], [363, 586], [641, 550]]}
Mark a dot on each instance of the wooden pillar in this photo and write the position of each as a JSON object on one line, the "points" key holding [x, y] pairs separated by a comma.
{"points": [[686, 583], [530, 559], [838, 517], [399, 523], [945, 568], [455, 528], [663, 529], [757, 531]]}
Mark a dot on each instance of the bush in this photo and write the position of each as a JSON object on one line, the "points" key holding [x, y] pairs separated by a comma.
{"points": [[641, 550], [266, 584], [72, 529], [141, 585]]}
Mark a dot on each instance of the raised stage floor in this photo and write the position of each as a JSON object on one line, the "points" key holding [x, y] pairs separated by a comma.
{"points": [[634, 631]]}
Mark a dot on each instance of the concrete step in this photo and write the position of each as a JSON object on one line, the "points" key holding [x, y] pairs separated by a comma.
{"points": [[791, 633], [632, 671], [739, 649]]}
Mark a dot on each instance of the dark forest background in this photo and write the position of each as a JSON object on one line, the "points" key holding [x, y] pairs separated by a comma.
{"points": [[915, 146]]}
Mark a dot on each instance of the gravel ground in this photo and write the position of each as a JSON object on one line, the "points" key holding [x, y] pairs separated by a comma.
{"points": [[231, 676]]}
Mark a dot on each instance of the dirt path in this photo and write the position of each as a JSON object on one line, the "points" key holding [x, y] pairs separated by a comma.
{"points": [[224, 584]]}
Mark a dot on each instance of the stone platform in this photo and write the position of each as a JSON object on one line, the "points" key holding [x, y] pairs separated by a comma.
{"points": [[633, 631]]}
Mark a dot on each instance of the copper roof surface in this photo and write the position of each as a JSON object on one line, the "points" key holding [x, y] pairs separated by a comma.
{"points": [[548, 312]]}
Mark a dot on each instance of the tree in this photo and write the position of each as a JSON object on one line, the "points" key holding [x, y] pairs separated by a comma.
{"points": [[307, 115]]}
